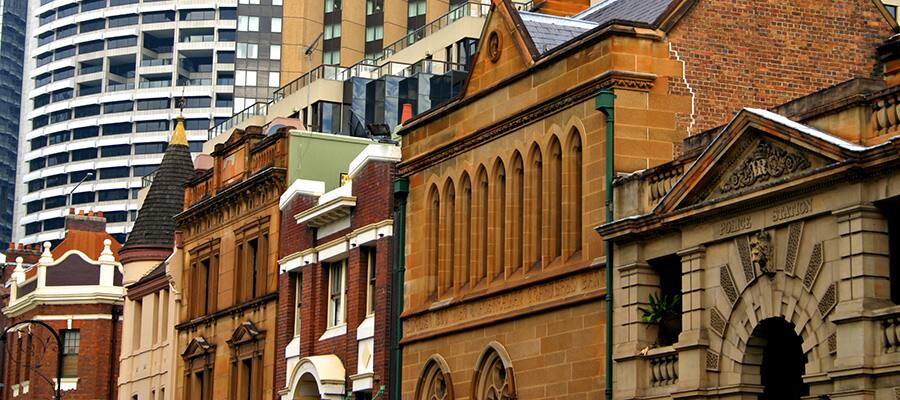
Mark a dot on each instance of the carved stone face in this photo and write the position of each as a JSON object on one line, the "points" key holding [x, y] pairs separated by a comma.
{"points": [[760, 253]]}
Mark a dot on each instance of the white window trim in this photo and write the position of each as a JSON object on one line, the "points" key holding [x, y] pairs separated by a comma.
{"points": [[334, 332], [343, 296], [370, 295]]}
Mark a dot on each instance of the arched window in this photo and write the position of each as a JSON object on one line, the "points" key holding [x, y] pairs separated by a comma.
{"points": [[517, 221], [535, 207], [448, 240], [494, 377], [498, 221], [465, 230], [434, 381], [575, 191], [556, 207], [481, 226], [434, 231]]}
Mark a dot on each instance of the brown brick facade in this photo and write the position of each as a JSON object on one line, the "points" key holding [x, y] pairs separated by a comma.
{"points": [[374, 205], [762, 54], [100, 328]]}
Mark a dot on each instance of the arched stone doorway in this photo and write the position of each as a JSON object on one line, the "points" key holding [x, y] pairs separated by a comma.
{"points": [[777, 350]]}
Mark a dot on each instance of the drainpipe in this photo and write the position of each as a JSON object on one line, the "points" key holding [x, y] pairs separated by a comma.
{"points": [[605, 103], [401, 190]]}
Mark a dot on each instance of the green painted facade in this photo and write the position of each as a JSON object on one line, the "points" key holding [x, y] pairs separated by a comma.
{"points": [[321, 156]]}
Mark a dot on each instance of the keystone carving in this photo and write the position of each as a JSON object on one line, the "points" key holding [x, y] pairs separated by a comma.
{"points": [[766, 162]]}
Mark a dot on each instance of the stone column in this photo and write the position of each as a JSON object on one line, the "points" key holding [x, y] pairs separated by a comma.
{"points": [[863, 285], [634, 281], [693, 340]]}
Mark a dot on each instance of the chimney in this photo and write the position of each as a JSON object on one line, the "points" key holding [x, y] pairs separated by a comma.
{"points": [[30, 254], [406, 114], [561, 8], [85, 223]]}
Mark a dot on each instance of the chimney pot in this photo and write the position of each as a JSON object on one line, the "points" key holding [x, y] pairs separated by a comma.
{"points": [[90, 214], [100, 214], [21, 246], [12, 245], [72, 211]]}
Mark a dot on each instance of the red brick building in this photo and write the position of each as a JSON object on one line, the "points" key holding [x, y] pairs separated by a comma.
{"points": [[334, 283], [77, 290]]}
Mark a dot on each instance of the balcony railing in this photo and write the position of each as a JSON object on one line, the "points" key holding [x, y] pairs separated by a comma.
{"points": [[663, 369], [156, 62], [258, 108], [471, 9]]}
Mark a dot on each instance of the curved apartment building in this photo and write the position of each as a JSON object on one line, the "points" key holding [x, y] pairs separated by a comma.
{"points": [[105, 80]]}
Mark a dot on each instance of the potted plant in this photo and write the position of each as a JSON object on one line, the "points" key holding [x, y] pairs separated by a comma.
{"points": [[664, 311]]}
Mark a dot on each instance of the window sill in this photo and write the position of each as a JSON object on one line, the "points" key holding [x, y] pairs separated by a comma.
{"points": [[67, 383], [366, 329], [334, 332]]}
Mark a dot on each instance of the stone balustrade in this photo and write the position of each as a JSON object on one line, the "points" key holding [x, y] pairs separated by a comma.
{"points": [[663, 369], [886, 112]]}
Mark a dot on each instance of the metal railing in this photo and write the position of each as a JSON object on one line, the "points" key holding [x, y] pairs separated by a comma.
{"points": [[258, 108]]}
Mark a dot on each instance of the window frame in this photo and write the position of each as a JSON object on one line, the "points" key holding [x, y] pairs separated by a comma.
{"points": [[337, 304]]}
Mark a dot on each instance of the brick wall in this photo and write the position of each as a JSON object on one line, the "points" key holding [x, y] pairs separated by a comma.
{"points": [[761, 54], [372, 189], [94, 356]]}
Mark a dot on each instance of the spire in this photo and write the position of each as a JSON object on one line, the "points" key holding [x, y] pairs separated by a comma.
{"points": [[178, 135], [155, 225]]}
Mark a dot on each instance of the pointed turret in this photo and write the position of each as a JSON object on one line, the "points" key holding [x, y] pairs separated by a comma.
{"points": [[153, 234]]}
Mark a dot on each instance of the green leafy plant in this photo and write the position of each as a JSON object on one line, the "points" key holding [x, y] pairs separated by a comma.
{"points": [[661, 309]]}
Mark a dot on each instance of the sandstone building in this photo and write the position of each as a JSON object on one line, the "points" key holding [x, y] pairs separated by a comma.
{"points": [[503, 271], [151, 259], [779, 232]]}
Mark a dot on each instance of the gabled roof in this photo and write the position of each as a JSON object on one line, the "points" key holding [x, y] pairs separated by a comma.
{"points": [[730, 166], [642, 11], [155, 225], [548, 31]]}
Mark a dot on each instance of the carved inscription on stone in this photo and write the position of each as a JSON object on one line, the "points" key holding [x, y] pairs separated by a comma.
{"points": [[812, 270], [791, 210], [734, 225], [717, 321], [727, 283], [828, 300], [504, 304], [766, 162], [743, 246], [761, 253], [793, 245]]}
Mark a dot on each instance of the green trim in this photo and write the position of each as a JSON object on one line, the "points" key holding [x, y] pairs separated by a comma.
{"points": [[605, 103]]}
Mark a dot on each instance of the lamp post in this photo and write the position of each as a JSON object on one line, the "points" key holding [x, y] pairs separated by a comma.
{"points": [[69, 197], [59, 350]]}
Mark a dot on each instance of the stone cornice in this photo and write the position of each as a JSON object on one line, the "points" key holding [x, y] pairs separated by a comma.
{"points": [[610, 79], [268, 176], [237, 309], [582, 285]]}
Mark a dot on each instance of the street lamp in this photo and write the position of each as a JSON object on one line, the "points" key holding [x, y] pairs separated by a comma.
{"points": [[69, 197], [59, 348]]}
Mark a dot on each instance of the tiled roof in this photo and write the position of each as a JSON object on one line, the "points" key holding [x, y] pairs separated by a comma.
{"points": [[646, 11], [548, 31], [155, 225]]}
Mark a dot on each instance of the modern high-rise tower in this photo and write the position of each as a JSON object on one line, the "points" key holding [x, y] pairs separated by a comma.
{"points": [[12, 53], [104, 81]]}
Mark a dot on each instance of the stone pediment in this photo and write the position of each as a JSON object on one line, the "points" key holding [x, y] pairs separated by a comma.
{"points": [[196, 348], [751, 154], [246, 332]]}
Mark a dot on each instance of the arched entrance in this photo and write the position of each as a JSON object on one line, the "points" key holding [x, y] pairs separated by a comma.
{"points": [[307, 388], [779, 350]]}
